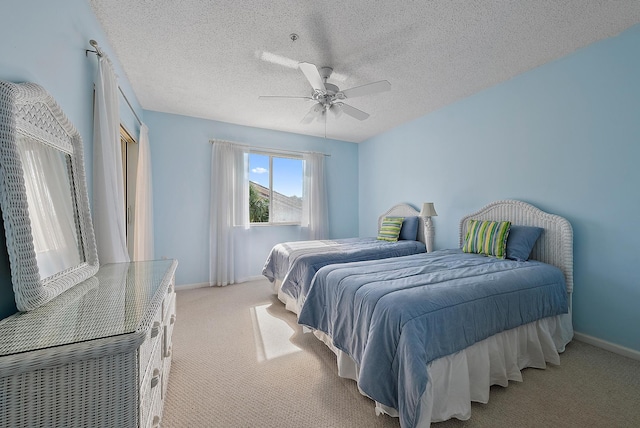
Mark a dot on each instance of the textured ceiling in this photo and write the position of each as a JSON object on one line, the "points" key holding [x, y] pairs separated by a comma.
{"points": [[212, 59]]}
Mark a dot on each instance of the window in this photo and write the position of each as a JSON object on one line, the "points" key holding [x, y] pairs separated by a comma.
{"points": [[275, 189]]}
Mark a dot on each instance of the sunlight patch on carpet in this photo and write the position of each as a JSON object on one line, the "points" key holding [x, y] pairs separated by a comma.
{"points": [[271, 335]]}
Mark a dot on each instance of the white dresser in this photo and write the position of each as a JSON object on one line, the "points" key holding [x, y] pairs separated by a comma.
{"points": [[98, 355]]}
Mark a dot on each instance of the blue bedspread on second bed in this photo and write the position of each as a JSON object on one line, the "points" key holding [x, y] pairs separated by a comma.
{"points": [[394, 316]]}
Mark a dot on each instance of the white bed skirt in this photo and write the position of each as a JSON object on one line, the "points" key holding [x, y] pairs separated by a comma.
{"points": [[458, 379]]}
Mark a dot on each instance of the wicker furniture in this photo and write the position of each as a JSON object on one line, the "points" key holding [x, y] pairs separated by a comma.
{"points": [[98, 355], [554, 247], [34, 132]]}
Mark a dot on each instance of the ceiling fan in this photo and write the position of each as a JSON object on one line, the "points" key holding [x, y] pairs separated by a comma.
{"points": [[328, 97]]}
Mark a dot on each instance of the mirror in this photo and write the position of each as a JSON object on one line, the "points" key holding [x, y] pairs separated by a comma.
{"points": [[43, 196], [52, 210]]}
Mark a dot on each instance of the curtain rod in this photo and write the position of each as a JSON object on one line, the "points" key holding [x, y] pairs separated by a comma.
{"points": [[267, 149], [99, 52]]}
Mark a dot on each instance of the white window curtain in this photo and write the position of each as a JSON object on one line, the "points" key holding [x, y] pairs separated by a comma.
{"points": [[108, 184], [229, 215], [143, 216], [314, 209]]}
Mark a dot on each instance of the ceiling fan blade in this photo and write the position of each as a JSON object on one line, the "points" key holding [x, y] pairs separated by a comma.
{"points": [[354, 112], [315, 112], [282, 97], [313, 76], [368, 89]]}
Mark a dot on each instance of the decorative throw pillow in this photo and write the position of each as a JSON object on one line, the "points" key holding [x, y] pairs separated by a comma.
{"points": [[487, 237], [390, 229], [521, 241], [409, 231]]}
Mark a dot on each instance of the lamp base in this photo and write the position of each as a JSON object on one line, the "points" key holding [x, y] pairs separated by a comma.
{"points": [[429, 234]]}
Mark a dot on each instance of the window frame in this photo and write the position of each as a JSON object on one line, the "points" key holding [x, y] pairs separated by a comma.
{"points": [[129, 151], [282, 155]]}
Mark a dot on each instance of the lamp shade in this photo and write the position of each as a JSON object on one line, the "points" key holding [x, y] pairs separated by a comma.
{"points": [[428, 210]]}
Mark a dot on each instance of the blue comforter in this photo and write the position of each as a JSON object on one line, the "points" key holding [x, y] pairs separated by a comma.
{"points": [[297, 262], [394, 316]]}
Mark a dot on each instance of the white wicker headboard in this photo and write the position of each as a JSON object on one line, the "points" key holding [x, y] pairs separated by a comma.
{"points": [[404, 210], [555, 245]]}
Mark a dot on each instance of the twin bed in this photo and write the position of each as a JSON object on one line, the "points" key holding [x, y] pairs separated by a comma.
{"points": [[291, 266], [426, 334]]}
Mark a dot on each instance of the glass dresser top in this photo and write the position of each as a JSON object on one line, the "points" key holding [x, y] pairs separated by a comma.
{"points": [[113, 302]]}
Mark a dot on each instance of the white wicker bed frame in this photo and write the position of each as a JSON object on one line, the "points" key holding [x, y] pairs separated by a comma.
{"points": [[555, 245], [451, 390], [405, 210]]}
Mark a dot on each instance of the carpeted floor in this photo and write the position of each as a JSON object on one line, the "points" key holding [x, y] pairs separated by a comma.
{"points": [[240, 360]]}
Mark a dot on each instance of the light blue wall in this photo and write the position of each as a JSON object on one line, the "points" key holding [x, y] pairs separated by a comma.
{"points": [[181, 159], [564, 137], [44, 42]]}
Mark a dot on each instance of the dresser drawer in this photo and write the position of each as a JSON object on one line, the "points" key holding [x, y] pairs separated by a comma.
{"points": [[166, 369], [155, 418], [151, 399], [151, 344], [168, 299], [169, 322]]}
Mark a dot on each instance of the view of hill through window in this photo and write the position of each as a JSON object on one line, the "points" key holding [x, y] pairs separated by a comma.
{"points": [[275, 189]]}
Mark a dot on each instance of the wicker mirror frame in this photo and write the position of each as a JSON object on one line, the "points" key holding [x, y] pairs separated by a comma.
{"points": [[26, 109]]}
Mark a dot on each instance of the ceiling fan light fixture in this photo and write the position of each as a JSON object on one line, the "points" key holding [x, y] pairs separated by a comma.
{"points": [[315, 112], [336, 109]]}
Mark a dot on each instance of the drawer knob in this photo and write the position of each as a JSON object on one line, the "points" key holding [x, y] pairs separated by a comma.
{"points": [[173, 319], [168, 353], [155, 330], [156, 378]]}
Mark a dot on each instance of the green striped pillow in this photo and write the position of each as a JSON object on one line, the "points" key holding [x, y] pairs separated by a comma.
{"points": [[487, 237], [390, 229]]}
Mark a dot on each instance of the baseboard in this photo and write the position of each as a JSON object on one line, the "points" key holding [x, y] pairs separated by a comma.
{"points": [[254, 278], [206, 284], [621, 350], [190, 286]]}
